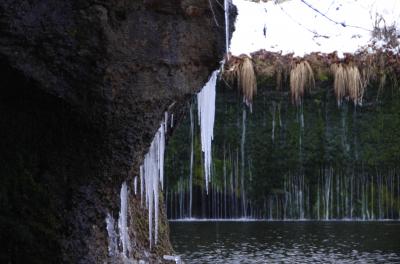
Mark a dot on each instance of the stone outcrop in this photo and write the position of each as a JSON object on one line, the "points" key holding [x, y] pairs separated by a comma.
{"points": [[85, 85]]}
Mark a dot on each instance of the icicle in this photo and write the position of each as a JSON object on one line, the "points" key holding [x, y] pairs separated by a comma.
{"points": [[226, 8], [112, 236], [161, 151], [166, 122], [152, 174], [141, 184], [206, 113], [123, 221], [172, 120], [156, 200], [135, 185]]}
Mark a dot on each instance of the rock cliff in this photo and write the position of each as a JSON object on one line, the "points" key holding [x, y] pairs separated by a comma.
{"points": [[84, 86]]}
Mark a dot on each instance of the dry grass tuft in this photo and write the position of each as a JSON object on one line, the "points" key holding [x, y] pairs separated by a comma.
{"points": [[241, 72], [355, 87], [348, 83], [231, 74], [247, 79], [340, 81], [301, 78]]}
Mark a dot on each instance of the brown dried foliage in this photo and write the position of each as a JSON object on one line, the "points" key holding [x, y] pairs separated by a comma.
{"points": [[301, 79]]}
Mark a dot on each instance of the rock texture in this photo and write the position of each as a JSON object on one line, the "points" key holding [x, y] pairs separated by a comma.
{"points": [[84, 86]]}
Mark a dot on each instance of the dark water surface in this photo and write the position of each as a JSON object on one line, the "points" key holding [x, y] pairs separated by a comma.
{"points": [[287, 242]]}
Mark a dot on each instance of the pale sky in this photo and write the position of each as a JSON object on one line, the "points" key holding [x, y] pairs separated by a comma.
{"points": [[288, 25]]}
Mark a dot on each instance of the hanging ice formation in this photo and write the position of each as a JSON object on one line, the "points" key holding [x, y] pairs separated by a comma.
{"points": [[226, 8], [151, 175], [112, 236], [206, 113], [166, 122], [135, 185], [122, 237], [206, 109], [123, 221]]}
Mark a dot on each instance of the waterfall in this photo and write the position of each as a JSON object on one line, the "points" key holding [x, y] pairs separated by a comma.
{"points": [[191, 161], [318, 200], [398, 194], [327, 191], [225, 194], [242, 145], [273, 122], [206, 113], [333, 194], [301, 130], [312, 186], [232, 189]]}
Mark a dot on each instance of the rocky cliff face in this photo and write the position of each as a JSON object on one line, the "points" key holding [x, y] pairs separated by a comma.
{"points": [[85, 85]]}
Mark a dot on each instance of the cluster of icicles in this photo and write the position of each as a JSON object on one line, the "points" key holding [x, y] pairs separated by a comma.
{"points": [[151, 176], [206, 113]]}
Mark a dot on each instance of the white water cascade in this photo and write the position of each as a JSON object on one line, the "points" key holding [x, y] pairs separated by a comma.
{"points": [[206, 113]]}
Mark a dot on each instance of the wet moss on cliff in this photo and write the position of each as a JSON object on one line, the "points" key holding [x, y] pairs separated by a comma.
{"points": [[283, 139]]}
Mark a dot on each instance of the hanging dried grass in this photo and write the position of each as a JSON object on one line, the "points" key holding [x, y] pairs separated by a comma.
{"points": [[241, 73], [355, 87], [340, 82], [247, 79], [231, 74], [301, 78], [347, 83]]}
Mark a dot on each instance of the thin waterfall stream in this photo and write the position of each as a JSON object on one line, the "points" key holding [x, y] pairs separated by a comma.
{"points": [[299, 190]]}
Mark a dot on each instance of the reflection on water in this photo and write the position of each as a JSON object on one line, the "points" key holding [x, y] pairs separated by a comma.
{"points": [[287, 242]]}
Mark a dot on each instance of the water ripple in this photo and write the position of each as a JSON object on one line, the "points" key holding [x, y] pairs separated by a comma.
{"points": [[285, 242]]}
